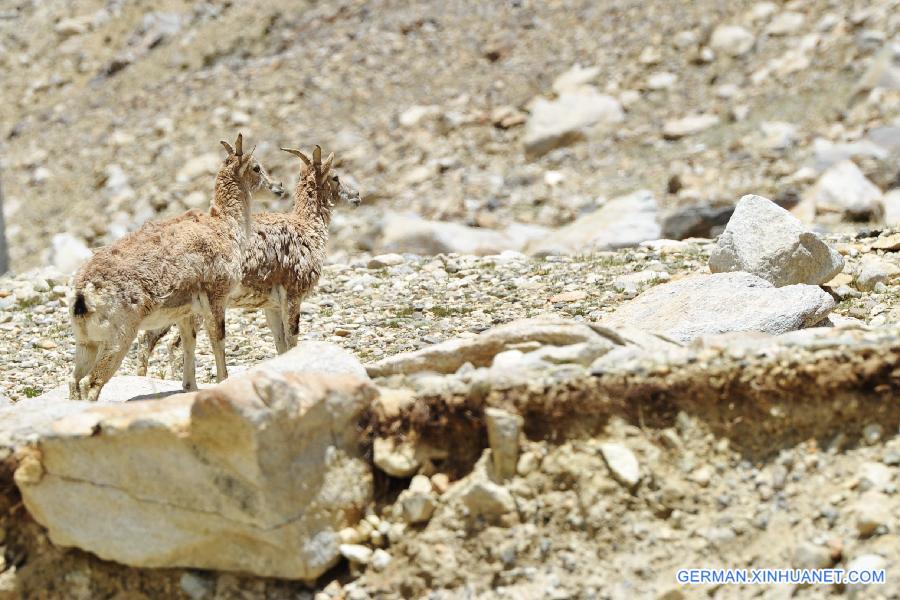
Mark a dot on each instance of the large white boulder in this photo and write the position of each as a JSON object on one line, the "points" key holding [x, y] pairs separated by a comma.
{"points": [[255, 475], [764, 239]]}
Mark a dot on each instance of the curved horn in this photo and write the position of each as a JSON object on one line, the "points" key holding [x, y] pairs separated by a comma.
{"points": [[252, 150], [298, 153], [317, 156], [227, 146], [328, 161], [239, 145]]}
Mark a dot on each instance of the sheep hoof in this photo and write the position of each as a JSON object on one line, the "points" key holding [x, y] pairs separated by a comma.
{"points": [[89, 392]]}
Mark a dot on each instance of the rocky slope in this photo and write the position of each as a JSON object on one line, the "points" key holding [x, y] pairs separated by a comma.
{"points": [[533, 368], [115, 112]]}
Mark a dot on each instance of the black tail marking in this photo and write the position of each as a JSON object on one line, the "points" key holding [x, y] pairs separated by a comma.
{"points": [[80, 308]]}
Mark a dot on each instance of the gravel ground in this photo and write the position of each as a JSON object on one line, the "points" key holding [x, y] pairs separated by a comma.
{"points": [[376, 312]]}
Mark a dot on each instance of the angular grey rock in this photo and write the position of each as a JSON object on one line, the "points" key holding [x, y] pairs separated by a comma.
{"points": [[73, 26], [503, 430], [385, 260], [414, 115], [706, 304], [845, 190], [786, 23], [576, 78], [511, 368], [380, 559], [397, 459], [689, 125], [622, 222], [871, 512], [697, 220], [886, 137], [155, 29], [418, 502], [567, 119], [883, 71], [875, 476], [196, 586], [732, 40], [827, 153], [488, 500], [356, 553], [661, 80], [892, 207], [408, 233], [622, 463], [874, 270], [778, 135], [811, 556], [630, 359], [255, 475], [764, 239]]}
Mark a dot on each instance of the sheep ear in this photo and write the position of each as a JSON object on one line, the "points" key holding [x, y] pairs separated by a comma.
{"points": [[327, 165], [239, 145], [302, 156], [317, 156], [227, 147]]}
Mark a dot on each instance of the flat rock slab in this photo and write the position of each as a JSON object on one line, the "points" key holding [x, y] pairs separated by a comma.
{"points": [[255, 475], [722, 302], [481, 349], [311, 357], [32, 417], [123, 388]]}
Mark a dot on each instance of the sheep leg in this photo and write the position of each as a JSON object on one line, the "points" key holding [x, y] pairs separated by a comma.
{"points": [[85, 357], [147, 341], [172, 349], [276, 325], [214, 319], [109, 359], [189, 340], [291, 316]]}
